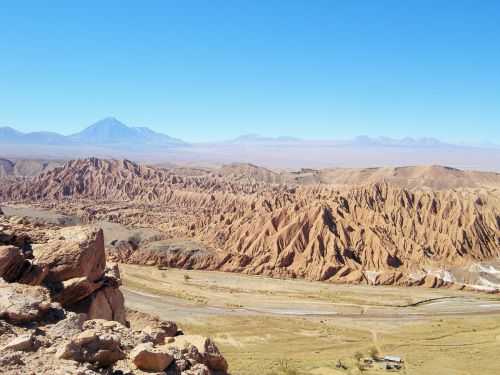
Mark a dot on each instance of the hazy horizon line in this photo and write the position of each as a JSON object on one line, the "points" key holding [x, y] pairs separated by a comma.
{"points": [[288, 136]]}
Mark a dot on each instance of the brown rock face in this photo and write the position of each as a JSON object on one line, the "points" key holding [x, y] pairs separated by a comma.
{"points": [[95, 300], [74, 290], [34, 274], [79, 254], [107, 303], [15, 268], [12, 263]]}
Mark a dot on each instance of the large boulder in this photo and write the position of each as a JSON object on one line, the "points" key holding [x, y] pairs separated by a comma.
{"points": [[79, 252], [23, 303], [97, 300], [100, 307], [93, 346], [12, 263], [148, 358], [107, 303], [34, 274], [71, 325], [14, 267], [117, 303], [160, 331], [76, 289], [27, 342], [206, 351]]}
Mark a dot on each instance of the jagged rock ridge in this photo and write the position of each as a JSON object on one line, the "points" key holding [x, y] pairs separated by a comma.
{"points": [[379, 233]]}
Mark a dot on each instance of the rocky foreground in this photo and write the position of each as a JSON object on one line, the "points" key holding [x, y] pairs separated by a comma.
{"points": [[62, 312]]}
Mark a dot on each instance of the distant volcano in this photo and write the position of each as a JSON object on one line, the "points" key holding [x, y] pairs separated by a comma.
{"points": [[110, 131], [106, 132]]}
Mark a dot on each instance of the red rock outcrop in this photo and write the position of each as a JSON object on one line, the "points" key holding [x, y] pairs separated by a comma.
{"points": [[71, 263], [39, 335], [77, 252]]}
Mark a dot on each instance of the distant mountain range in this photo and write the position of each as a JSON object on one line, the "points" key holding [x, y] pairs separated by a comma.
{"points": [[12, 136], [111, 138], [110, 132], [106, 132], [257, 138], [393, 142], [360, 141]]}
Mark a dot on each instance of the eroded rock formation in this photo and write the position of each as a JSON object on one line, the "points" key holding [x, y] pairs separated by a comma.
{"points": [[377, 234]]}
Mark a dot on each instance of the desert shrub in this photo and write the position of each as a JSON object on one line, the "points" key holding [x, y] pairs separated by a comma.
{"points": [[187, 277], [284, 368], [358, 356], [374, 352], [135, 240]]}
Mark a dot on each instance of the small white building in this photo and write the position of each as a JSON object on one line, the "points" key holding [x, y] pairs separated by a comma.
{"points": [[393, 358]]}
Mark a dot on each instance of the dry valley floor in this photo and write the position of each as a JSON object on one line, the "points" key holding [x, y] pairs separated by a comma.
{"points": [[272, 326]]}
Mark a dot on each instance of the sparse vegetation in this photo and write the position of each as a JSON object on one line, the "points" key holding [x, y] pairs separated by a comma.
{"points": [[374, 352], [135, 240], [284, 368], [233, 305]]}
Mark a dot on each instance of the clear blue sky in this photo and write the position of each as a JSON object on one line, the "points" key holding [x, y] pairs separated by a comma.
{"points": [[205, 70]]}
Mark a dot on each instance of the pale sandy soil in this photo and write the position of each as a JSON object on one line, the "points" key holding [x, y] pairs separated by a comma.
{"points": [[261, 323], [46, 216], [205, 293]]}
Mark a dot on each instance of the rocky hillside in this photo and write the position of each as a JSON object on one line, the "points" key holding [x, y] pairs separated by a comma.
{"points": [[378, 233], [432, 177], [117, 180], [62, 312]]}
